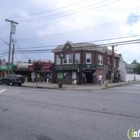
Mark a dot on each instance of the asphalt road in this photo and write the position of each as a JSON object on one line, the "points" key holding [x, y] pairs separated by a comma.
{"points": [[47, 114]]}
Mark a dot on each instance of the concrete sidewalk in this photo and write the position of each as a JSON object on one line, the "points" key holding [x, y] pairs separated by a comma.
{"points": [[84, 87]]}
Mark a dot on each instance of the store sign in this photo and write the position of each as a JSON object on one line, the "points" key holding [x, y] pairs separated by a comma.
{"points": [[5, 67], [22, 66], [47, 67], [76, 66]]}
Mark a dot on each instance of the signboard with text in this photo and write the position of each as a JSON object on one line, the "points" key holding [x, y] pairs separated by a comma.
{"points": [[76, 66]]}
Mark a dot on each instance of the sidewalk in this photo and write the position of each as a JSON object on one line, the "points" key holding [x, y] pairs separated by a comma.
{"points": [[84, 87]]}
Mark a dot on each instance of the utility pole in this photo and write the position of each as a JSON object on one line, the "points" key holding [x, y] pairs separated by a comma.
{"points": [[13, 51], [112, 68], [11, 32]]}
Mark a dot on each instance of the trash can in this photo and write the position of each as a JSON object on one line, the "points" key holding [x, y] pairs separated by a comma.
{"points": [[60, 84]]}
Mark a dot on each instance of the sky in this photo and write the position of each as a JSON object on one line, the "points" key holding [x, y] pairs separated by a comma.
{"points": [[45, 24]]}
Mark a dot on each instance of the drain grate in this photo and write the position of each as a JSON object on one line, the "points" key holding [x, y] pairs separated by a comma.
{"points": [[41, 137]]}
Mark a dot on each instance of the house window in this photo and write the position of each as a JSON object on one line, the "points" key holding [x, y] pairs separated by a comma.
{"points": [[88, 58], [77, 58], [108, 60], [100, 60], [57, 59], [68, 59]]}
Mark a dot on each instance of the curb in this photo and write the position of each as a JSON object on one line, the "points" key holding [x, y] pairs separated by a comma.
{"points": [[65, 88], [120, 85]]}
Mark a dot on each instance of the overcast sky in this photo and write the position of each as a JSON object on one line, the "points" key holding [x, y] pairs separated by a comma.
{"points": [[44, 24]]}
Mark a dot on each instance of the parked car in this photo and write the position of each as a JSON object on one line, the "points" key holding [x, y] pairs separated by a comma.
{"points": [[12, 79]]}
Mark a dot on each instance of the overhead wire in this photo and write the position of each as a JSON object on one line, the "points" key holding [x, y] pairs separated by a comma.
{"points": [[75, 31], [50, 10], [107, 44], [21, 51], [44, 18]]}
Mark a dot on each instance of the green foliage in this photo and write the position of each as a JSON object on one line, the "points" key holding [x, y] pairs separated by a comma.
{"points": [[137, 69], [135, 62], [38, 66]]}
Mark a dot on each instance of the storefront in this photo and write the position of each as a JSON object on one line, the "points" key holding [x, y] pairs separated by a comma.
{"points": [[4, 70], [23, 69], [83, 73], [45, 74]]}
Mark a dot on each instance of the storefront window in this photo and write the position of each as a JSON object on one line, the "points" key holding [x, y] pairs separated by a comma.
{"points": [[74, 75], [60, 75], [67, 75]]}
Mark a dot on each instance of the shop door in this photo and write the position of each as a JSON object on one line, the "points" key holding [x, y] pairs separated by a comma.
{"points": [[89, 76]]}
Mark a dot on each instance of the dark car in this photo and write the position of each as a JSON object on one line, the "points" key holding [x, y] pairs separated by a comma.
{"points": [[12, 79]]}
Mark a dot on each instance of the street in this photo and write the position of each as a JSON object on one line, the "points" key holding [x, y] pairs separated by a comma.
{"points": [[49, 114]]}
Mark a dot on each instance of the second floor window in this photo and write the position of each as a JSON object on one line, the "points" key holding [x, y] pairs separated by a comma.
{"points": [[88, 58], [77, 58], [68, 59], [100, 59], [57, 59]]}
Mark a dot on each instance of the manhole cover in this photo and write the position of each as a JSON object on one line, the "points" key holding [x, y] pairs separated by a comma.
{"points": [[41, 137]]}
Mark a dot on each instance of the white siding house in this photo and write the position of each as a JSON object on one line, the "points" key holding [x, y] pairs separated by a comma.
{"points": [[122, 69]]}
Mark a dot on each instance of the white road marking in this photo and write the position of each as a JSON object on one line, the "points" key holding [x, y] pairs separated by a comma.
{"points": [[2, 90], [136, 85]]}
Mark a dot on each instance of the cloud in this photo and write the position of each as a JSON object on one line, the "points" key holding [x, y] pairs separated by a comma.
{"points": [[103, 22], [133, 19]]}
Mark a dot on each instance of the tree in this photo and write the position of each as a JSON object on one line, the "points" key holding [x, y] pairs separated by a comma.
{"points": [[37, 67], [0, 61], [137, 69], [135, 62]]}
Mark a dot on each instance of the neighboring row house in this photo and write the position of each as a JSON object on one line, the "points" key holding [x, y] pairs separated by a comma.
{"points": [[79, 61], [130, 68]]}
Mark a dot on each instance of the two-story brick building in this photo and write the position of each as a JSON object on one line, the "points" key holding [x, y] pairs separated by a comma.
{"points": [[81, 61]]}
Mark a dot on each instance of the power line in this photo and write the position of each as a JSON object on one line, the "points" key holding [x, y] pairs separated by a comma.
{"points": [[109, 44], [126, 37], [51, 10], [84, 29], [40, 19], [21, 51]]}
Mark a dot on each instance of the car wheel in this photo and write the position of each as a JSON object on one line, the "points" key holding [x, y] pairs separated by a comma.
{"points": [[0, 82], [10, 83]]}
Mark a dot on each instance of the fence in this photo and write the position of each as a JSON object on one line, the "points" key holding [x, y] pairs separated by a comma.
{"points": [[132, 77]]}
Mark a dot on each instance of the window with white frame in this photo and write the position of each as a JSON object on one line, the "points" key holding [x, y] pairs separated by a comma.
{"points": [[88, 58], [68, 59], [77, 58], [100, 59], [57, 59], [108, 60]]}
